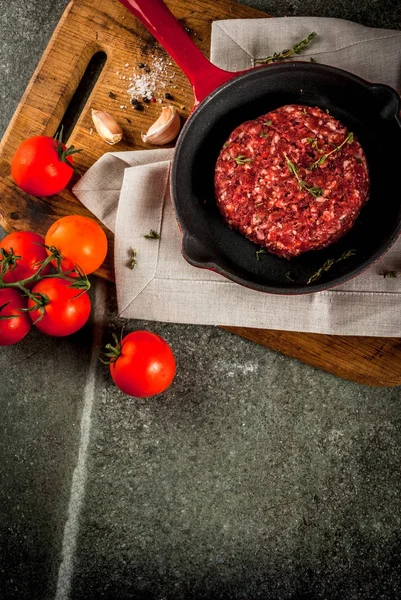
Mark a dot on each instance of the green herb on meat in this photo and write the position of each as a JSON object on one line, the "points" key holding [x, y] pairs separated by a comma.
{"points": [[267, 123], [132, 262], [391, 274], [328, 264], [296, 49], [314, 190], [322, 159], [314, 143], [242, 160], [259, 252], [225, 145], [263, 135], [152, 235]]}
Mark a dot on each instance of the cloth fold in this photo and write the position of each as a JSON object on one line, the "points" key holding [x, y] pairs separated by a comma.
{"points": [[129, 193]]}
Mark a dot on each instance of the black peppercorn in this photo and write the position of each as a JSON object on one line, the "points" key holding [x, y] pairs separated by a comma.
{"points": [[136, 105]]}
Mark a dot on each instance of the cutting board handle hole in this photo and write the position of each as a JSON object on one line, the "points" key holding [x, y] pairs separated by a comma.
{"points": [[82, 93]]}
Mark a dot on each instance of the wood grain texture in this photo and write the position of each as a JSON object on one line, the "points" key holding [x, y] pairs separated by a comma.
{"points": [[90, 26], [87, 27], [371, 361]]}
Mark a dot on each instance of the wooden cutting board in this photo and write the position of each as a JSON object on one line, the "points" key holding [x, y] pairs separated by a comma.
{"points": [[89, 27]]}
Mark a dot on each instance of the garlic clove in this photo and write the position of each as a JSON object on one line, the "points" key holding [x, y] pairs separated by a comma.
{"points": [[165, 129], [107, 127]]}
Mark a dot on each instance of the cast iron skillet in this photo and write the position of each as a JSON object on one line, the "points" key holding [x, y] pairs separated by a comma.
{"points": [[223, 100]]}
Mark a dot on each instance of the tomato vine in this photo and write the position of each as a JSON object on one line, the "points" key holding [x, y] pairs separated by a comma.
{"points": [[76, 277]]}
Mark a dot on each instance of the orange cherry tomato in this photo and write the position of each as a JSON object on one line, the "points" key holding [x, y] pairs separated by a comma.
{"points": [[80, 240]]}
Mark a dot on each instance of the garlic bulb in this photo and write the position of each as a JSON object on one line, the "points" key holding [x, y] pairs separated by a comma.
{"points": [[165, 129], [107, 127]]}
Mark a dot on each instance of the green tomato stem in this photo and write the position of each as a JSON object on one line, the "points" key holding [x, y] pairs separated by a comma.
{"points": [[81, 282]]}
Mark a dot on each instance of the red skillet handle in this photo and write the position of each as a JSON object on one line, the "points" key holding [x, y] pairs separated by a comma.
{"points": [[157, 18]]}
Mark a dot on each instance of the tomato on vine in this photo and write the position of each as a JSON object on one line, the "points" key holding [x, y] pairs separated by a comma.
{"points": [[58, 308], [21, 255], [14, 322], [80, 241]]}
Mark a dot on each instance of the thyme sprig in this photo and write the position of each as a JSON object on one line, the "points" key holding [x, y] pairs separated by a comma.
{"points": [[328, 264], [259, 252], [242, 160], [152, 235], [391, 274], [132, 261], [314, 190], [322, 159], [314, 144], [295, 49]]}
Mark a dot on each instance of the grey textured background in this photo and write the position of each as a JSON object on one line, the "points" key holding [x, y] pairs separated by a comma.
{"points": [[253, 476]]}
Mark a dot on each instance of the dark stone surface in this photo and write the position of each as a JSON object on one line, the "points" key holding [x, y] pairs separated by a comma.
{"points": [[254, 476], [42, 380], [372, 13], [25, 29]]}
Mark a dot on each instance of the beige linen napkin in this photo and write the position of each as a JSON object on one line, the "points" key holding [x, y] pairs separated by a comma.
{"points": [[129, 192]]}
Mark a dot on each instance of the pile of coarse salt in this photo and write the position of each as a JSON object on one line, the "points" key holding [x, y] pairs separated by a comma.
{"points": [[147, 81]]}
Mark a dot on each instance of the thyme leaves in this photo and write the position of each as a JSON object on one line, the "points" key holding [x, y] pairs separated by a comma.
{"points": [[241, 159], [328, 264], [322, 159], [288, 52], [152, 235], [314, 190]]}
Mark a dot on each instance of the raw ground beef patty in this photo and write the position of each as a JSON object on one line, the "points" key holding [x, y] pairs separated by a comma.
{"points": [[292, 180]]}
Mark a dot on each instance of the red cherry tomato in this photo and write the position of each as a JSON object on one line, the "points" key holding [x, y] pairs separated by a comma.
{"points": [[66, 309], [13, 329], [145, 365], [29, 247], [42, 166], [80, 240]]}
